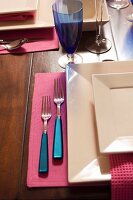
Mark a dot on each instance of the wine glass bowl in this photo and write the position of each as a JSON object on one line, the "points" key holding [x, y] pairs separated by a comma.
{"points": [[118, 4], [68, 19]]}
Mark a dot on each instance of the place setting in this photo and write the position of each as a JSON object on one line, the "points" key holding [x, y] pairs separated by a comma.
{"points": [[26, 27], [35, 178], [95, 146], [81, 127], [70, 83]]}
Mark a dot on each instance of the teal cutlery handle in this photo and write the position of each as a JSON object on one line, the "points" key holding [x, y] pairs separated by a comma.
{"points": [[43, 161], [58, 139]]}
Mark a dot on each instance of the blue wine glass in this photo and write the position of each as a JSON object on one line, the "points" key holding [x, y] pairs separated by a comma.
{"points": [[68, 19]]}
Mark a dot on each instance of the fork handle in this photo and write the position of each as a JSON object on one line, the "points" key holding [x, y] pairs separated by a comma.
{"points": [[43, 160], [58, 139]]}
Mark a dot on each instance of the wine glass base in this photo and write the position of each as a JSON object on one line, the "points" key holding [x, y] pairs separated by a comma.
{"points": [[104, 46], [118, 4], [130, 17], [63, 60]]}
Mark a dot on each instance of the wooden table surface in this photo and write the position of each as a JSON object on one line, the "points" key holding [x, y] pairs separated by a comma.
{"points": [[16, 88]]}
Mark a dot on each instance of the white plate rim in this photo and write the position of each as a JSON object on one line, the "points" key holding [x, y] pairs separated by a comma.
{"points": [[90, 68]]}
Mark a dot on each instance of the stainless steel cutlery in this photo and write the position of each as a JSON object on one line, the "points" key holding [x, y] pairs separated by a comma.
{"points": [[58, 137], [46, 115], [58, 134], [17, 43]]}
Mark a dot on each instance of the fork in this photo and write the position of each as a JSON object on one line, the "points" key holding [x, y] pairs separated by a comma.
{"points": [[45, 115], [58, 135]]}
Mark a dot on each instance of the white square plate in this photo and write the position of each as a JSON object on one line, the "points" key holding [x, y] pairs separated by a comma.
{"points": [[15, 6], [113, 94], [44, 17], [85, 162]]}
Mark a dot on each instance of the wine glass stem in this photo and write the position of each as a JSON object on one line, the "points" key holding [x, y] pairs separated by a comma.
{"points": [[98, 39], [70, 58], [99, 23]]}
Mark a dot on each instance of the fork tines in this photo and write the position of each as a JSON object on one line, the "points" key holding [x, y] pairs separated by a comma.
{"points": [[58, 89], [46, 105]]}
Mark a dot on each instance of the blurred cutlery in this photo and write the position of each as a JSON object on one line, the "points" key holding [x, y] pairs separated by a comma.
{"points": [[58, 137], [15, 44]]}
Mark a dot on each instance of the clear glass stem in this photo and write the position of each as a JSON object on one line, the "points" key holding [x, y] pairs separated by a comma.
{"points": [[70, 58], [100, 44], [99, 35]]}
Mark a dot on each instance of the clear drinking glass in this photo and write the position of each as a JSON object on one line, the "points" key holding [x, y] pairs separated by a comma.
{"points": [[118, 4], [99, 44], [130, 16], [68, 19]]}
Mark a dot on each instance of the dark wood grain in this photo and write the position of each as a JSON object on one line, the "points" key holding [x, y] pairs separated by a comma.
{"points": [[14, 78]]}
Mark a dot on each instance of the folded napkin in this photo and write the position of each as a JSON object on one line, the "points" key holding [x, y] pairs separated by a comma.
{"points": [[17, 16], [121, 176], [57, 176], [48, 34]]}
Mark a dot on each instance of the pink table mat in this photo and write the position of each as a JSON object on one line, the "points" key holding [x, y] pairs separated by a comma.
{"points": [[50, 41], [121, 176], [57, 176]]}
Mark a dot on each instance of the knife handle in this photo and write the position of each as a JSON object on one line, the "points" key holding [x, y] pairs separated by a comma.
{"points": [[58, 139], [43, 160]]}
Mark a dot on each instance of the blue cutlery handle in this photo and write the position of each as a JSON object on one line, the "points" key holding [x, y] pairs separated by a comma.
{"points": [[43, 161], [58, 139]]}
